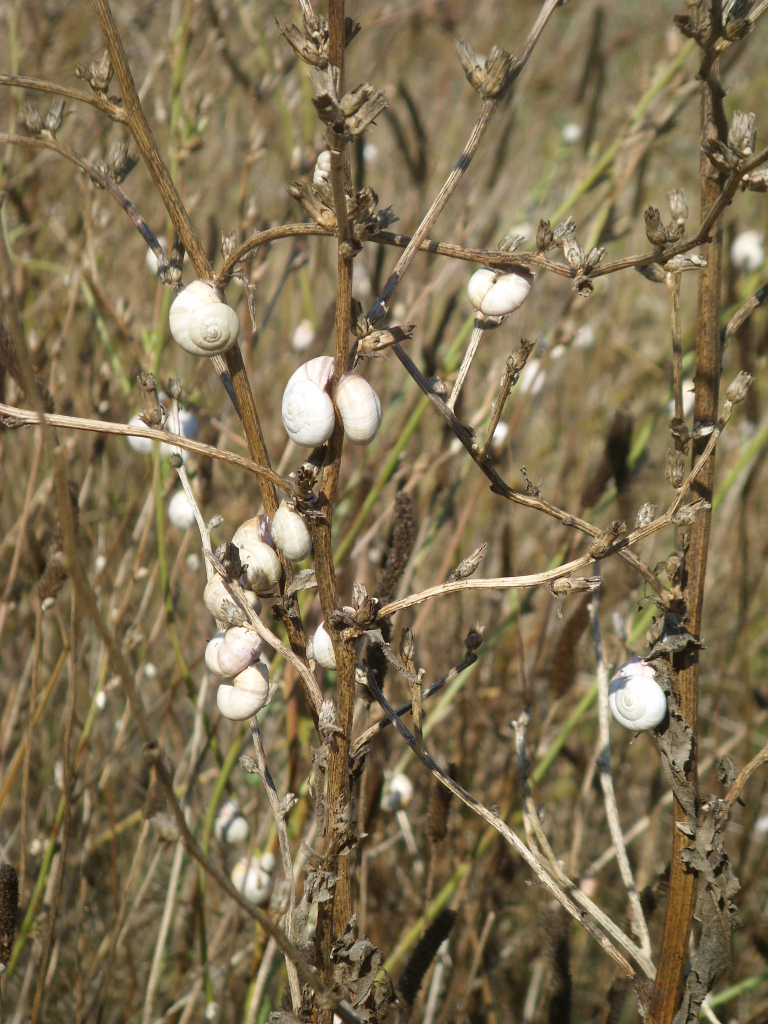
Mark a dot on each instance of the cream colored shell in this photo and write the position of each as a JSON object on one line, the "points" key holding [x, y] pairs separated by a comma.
{"points": [[246, 695], [220, 604], [635, 698], [261, 564], [201, 323], [359, 408], [240, 647], [307, 409], [290, 533], [495, 293], [322, 648]]}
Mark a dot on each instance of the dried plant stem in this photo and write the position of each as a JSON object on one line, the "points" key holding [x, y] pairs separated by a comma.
{"points": [[165, 925], [673, 284], [285, 851], [48, 142], [27, 417], [534, 862], [334, 915], [683, 881], [603, 759], [112, 110], [138, 126], [475, 338]]}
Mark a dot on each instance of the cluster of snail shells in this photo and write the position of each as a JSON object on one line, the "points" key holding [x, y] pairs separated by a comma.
{"points": [[236, 652], [201, 323], [308, 411], [635, 698], [499, 293]]}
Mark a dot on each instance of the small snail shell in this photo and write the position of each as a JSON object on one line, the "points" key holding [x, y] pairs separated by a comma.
{"points": [[267, 862], [322, 648], [290, 533], [180, 511], [307, 409], [253, 531], [303, 336], [322, 171], [359, 408], [398, 793], [239, 648], [219, 603], [250, 878], [636, 700], [213, 329], [212, 652], [262, 566], [142, 445], [247, 694], [196, 331], [747, 251], [229, 825], [495, 293]]}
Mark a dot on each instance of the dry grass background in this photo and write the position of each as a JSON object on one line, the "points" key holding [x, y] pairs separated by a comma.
{"points": [[238, 125]]}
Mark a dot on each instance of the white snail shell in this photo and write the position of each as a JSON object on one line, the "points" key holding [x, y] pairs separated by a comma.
{"points": [[747, 251], [322, 172], [250, 878], [212, 652], [307, 409], [239, 648], [267, 862], [290, 533], [495, 293], [180, 511], [636, 700], [398, 794], [229, 825], [322, 648], [262, 566], [213, 329], [246, 695], [359, 408], [142, 445], [219, 603], [303, 336], [201, 323]]}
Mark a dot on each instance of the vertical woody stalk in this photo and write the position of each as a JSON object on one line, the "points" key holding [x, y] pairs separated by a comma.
{"points": [[333, 915], [682, 880]]}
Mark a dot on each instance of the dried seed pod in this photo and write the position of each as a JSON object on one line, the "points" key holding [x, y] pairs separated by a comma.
{"points": [[307, 409], [495, 293], [635, 698], [290, 533], [359, 408], [246, 695], [220, 604], [322, 648], [201, 323], [241, 646]]}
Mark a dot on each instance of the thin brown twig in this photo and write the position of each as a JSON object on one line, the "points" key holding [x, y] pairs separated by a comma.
{"points": [[112, 110], [29, 418]]}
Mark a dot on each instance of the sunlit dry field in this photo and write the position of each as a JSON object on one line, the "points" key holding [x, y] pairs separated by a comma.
{"points": [[117, 920]]}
